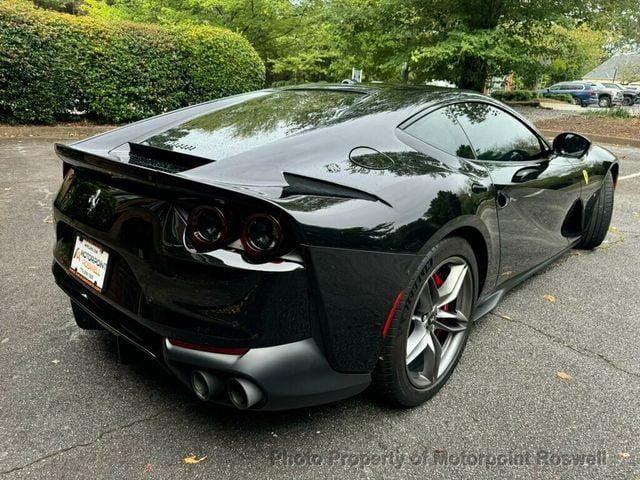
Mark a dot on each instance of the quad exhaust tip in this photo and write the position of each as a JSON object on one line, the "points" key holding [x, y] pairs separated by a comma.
{"points": [[243, 393], [205, 385]]}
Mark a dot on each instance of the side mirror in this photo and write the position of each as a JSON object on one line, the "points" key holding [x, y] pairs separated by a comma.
{"points": [[571, 145]]}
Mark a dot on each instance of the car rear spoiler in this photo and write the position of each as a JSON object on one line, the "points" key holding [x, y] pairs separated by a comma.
{"points": [[162, 183], [169, 180]]}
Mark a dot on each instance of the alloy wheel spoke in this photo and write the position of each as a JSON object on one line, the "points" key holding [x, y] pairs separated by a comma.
{"points": [[434, 294], [428, 296], [438, 310], [432, 356], [451, 322], [450, 289], [417, 341]]}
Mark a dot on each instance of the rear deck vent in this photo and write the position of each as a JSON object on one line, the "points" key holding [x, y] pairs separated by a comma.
{"points": [[163, 160]]}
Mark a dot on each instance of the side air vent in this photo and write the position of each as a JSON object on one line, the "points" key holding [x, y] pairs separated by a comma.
{"points": [[299, 185], [163, 160]]}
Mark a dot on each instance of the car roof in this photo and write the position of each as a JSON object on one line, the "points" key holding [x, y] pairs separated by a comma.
{"points": [[385, 97], [276, 114], [575, 82]]}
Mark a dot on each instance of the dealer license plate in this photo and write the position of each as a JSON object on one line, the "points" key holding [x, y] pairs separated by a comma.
{"points": [[89, 263]]}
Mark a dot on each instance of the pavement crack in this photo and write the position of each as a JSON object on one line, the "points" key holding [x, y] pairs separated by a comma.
{"points": [[580, 350], [86, 444]]}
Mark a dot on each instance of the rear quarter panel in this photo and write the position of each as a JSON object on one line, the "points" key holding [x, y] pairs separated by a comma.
{"points": [[364, 253]]}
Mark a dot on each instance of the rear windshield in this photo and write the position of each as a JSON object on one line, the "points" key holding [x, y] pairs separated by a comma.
{"points": [[256, 122]]}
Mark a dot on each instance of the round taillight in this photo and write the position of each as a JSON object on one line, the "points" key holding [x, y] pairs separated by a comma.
{"points": [[207, 228], [262, 236]]}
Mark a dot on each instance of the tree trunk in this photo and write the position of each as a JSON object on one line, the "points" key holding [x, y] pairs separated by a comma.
{"points": [[473, 74], [404, 75]]}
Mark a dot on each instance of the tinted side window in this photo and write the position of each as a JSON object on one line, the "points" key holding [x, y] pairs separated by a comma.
{"points": [[440, 129], [495, 134]]}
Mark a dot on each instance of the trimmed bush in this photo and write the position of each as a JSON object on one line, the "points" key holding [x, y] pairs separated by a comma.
{"points": [[561, 97], [514, 95], [53, 65]]}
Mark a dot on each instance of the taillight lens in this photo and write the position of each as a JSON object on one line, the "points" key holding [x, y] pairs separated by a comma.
{"points": [[262, 236], [207, 228]]}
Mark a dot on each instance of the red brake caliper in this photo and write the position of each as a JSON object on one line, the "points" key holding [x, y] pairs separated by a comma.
{"points": [[439, 281]]}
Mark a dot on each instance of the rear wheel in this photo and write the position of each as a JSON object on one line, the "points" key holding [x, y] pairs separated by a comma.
{"points": [[428, 336], [626, 101], [598, 225], [83, 319]]}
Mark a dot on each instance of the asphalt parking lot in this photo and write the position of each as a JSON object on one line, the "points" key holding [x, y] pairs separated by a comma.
{"points": [[68, 409]]}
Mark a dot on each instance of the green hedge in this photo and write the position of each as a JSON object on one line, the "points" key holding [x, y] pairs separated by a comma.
{"points": [[514, 95], [53, 64], [561, 97]]}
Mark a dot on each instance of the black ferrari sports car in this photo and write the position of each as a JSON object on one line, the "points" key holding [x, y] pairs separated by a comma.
{"points": [[290, 247]]}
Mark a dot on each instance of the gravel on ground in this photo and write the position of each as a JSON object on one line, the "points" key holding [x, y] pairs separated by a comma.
{"points": [[536, 114], [570, 121]]}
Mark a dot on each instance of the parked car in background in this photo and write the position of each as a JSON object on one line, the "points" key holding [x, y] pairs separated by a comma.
{"points": [[607, 96], [629, 94], [583, 93]]}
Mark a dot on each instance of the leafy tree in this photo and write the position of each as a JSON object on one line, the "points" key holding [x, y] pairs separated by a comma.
{"points": [[463, 41], [572, 52], [466, 41], [275, 28]]}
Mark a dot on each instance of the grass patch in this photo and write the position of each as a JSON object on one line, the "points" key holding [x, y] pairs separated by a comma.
{"points": [[616, 112]]}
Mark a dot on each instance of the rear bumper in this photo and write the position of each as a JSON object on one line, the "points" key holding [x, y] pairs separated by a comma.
{"points": [[291, 375]]}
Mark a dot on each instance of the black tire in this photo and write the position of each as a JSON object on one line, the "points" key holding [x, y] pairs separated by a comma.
{"points": [[83, 319], [627, 101], [598, 225], [577, 101], [391, 378], [604, 101]]}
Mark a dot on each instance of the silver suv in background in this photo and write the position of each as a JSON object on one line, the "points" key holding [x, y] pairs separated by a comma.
{"points": [[629, 95], [607, 96]]}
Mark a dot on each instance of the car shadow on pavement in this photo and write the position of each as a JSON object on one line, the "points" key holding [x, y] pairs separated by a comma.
{"points": [[145, 372]]}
